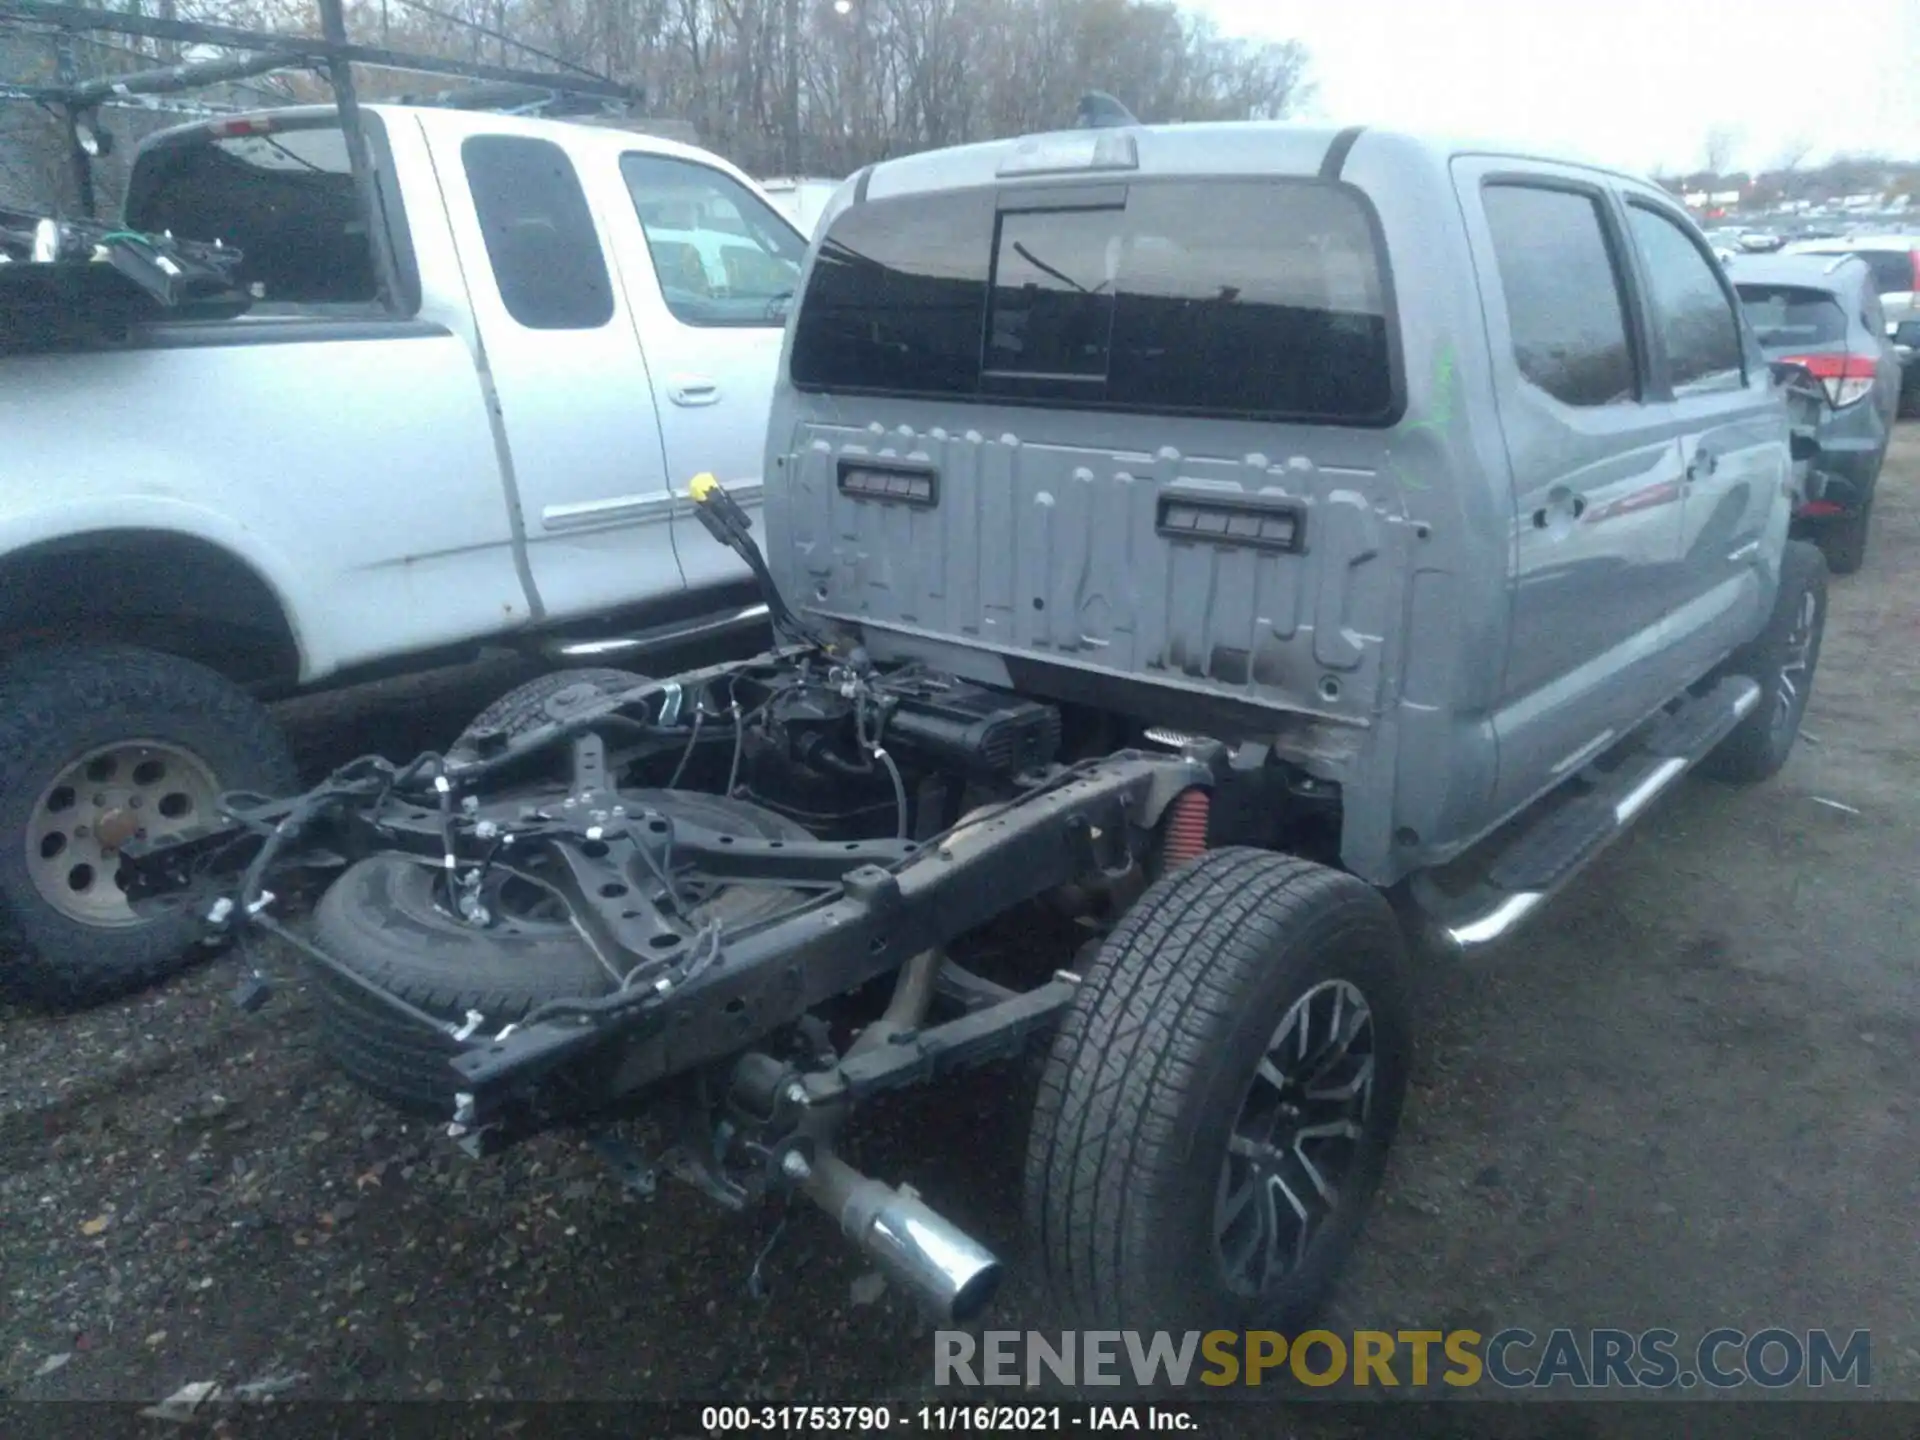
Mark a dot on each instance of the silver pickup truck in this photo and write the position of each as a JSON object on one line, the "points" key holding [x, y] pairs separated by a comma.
{"points": [[203, 510], [1219, 555]]}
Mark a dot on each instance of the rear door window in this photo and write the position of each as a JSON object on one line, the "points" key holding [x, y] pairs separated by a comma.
{"points": [[1567, 320], [539, 233], [1691, 311], [1257, 298]]}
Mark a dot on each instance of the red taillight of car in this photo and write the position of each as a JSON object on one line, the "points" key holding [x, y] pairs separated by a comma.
{"points": [[242, 125], [1848, 378], [1914, 256]]}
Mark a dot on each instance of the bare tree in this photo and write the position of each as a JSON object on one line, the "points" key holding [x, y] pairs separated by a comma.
{"points": [[1716, 150], [1783, 179], [867, 79], [1792, 155], [874, 77]]}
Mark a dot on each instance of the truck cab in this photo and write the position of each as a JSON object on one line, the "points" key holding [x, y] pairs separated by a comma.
{"points": [[1436, 469]]}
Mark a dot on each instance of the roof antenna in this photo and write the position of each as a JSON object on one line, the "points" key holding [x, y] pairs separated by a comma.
{"points": [[1100, 111]]}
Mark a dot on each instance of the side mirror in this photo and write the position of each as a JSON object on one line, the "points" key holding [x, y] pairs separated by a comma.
{"points": [[1803, 447]]}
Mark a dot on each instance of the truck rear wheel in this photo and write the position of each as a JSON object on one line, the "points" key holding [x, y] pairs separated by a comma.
{"points": [[1782, 661], [1217, 1107], [99, 747]]}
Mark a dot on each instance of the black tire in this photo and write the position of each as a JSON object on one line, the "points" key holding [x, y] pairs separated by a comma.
{"points": [[1760, 744], [381, 920], [1910, 396], [56, 708], [1156, 1064], [545, 698], [1843, 540]]}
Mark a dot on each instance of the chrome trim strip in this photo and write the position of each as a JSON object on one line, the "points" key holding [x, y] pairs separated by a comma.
{"points": [[639, 509], [634, 509], [1585, 753], [745, 492]]}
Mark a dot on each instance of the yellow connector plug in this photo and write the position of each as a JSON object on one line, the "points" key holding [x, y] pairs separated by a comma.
{"points": [[701, 486]]}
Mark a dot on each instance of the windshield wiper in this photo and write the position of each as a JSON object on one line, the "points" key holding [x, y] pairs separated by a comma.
{"points": [[1020, 249], [294, 156]]}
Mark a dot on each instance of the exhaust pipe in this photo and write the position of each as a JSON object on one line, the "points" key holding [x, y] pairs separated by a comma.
{"points": [[954, 1272]]}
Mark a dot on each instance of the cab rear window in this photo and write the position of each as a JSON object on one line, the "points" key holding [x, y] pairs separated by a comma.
{"points": [[1256, 298], [281, 192]]}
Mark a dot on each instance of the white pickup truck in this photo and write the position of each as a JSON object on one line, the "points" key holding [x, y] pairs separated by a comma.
{"points": [[203, 513]]}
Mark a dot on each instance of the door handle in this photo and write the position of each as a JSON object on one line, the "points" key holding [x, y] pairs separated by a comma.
{"points": [[692, 390]]}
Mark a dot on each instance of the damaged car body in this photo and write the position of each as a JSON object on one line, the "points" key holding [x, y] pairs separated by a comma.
{"points": [[1250, 545]]}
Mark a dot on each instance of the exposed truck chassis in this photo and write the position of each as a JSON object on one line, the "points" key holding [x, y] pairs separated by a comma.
{"points": [[720, 1025], [1226, 1076]]}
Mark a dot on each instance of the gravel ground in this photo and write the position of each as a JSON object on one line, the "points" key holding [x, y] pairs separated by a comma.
{"points": [[1684, 1099]]}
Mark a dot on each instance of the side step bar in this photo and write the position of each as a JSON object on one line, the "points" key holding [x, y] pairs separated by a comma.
{"points": [[1539, 862], [564, 650]]}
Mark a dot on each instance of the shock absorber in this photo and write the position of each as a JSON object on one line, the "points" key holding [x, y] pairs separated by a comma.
{"points": [[1186, 837]]}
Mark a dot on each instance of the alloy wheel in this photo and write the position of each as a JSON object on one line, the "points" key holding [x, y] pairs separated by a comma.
{"points": [[1295, 1139]]}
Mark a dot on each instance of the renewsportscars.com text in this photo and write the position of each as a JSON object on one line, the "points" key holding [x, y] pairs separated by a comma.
{"points": [[1510, 1359]]}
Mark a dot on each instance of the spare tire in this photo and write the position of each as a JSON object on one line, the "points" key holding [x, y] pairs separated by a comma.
{"points": [[383, 920], [544, 698]]}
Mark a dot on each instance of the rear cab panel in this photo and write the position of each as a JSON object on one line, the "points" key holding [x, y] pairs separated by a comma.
{"points": [[1227, 497]]}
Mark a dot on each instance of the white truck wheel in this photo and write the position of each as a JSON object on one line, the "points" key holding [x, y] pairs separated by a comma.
{"points": [[98, 747]]}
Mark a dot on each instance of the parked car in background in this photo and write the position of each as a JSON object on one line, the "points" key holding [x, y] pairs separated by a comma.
{"points": [[207, 511], [1895, 260], [802, 201], [1824, 312]]}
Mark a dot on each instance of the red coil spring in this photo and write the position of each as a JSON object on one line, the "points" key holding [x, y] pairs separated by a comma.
{"points": [[1187, 828]]}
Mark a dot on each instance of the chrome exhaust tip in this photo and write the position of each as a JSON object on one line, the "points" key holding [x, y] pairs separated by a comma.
{"points": [[955, 1274]]}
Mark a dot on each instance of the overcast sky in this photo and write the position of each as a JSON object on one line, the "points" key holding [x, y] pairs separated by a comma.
{"points": [[1632, 83]]}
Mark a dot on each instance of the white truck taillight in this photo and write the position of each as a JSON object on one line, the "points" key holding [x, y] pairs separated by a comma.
{"points": [[1848, 378], [242, 125]]}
